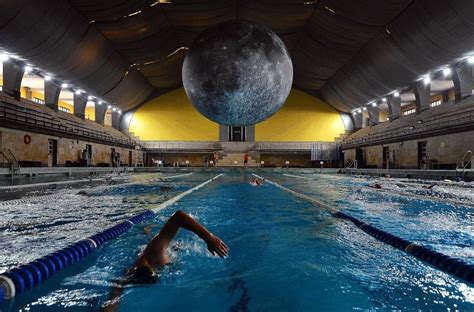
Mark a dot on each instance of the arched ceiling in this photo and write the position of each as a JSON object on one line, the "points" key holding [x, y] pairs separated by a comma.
{"points": [[341, 49]]}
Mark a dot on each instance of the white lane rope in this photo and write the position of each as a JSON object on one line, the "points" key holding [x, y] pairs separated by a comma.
{"points": [[173, 200]]}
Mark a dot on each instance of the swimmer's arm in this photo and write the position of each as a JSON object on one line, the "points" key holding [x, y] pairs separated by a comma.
{"points": [[181, 220], [113, 301]]}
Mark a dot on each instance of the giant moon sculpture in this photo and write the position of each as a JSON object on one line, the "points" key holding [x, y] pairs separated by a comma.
{"points": [[237, 73]]}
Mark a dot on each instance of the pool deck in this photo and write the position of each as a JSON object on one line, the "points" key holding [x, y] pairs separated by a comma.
{"points": [[468, 175]]}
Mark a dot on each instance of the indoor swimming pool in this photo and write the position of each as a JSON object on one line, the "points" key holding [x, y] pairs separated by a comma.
{"points": [[286, 254]]}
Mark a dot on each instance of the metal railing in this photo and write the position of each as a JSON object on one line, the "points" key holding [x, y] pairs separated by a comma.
{"points": [[464, 116], [28, 116], [181, 145], [465, 162], [352, 164]]}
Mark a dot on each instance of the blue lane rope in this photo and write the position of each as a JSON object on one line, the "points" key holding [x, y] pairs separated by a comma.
{"points": [[20, 279], [456, 267], [453, 266]]}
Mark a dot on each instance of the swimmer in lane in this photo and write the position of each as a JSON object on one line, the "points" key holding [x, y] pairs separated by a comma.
{"points": [[155, 257], [375, 186], [257, 182]]}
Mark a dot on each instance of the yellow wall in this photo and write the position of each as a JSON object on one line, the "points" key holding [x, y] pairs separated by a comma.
{"points": [[171, 117], [302, 118]]}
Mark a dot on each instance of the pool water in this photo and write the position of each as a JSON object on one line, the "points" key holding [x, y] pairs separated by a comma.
{"points": [[285, 253]]}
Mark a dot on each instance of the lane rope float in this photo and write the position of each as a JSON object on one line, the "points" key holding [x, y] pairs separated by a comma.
{"points": [[456, 267], [24, 277]]}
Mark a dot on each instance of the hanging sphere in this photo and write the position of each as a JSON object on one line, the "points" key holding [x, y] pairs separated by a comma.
{"points": [[237, 73]]}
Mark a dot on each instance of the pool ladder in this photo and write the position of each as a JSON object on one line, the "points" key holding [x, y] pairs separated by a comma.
{"points": [[466, 162], [352, 164], [13, 164]]}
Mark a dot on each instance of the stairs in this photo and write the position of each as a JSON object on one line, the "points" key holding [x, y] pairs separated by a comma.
{"points": [[236, 160]]}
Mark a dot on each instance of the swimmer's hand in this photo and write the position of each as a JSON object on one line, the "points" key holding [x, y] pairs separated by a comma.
{"points": [[217, 247]]}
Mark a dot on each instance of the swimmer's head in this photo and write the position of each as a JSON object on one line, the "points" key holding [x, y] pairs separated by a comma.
{"points": [[142, 275]]}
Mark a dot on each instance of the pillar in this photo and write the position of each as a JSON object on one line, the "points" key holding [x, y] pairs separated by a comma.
{"points": [[250, 133], [357, 119], [422, 94], [223, 133], [100, 111], [80, 102], [116, 119], [12, 76], [462, 78], [51, 94], [394, 106], [373, 115]]}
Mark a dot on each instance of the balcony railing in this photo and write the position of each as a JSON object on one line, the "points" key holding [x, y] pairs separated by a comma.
{"points": [[31, 117]]}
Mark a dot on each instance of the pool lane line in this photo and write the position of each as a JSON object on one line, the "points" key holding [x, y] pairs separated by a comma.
{"points": [[300, 177], [173, 200], [19, 279], [456, 267], [406, 194], [8, 187]]}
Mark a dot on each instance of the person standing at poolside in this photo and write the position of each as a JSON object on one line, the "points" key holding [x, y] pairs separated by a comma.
{"points": [[155, 256], [246, 159]]}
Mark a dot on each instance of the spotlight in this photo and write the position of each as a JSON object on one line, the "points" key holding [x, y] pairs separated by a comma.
{"points": [[28, 69], [396, 94], [64, 85], [446, 72], [384, 100], [426, 80], [470, 59]]}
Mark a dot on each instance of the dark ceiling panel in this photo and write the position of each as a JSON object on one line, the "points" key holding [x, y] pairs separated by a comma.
{"points": [[339, 48], [427, 36]]}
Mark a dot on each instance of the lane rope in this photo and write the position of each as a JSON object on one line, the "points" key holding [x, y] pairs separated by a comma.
{"points": [[456, 267], [24, 277]]}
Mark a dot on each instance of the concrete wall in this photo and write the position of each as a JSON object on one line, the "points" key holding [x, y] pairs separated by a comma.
{"points": [[68, 149], [442, 151]]}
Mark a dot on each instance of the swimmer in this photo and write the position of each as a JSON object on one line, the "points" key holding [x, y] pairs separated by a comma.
{"points": [[154, 257], [257, 182], [375, 186], [429, 187]]}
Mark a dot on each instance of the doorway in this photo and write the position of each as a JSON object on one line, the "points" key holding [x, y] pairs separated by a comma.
{"points": [[386, 158], [236, 134], [422, 155], [359, 156], [52, 153], [130, 163]]}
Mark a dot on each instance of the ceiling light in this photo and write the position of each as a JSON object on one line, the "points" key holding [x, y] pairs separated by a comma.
{"points": [[396, 94], [119, 111], [446, 72], [4, 57], [100, 102], [364, 108], [374, 104], [359, 111], [64, 85], [354, 113], [426, 80], [47, 78], [28, 69], [384, 100], [78, 92], [470, 59], [329, 9], [90, 97], [114, 109], [109, 106]]}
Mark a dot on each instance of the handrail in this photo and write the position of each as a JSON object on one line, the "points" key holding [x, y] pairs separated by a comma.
{"points": [[45, 120], [466, 160], [460, 116], [352, 164]]}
